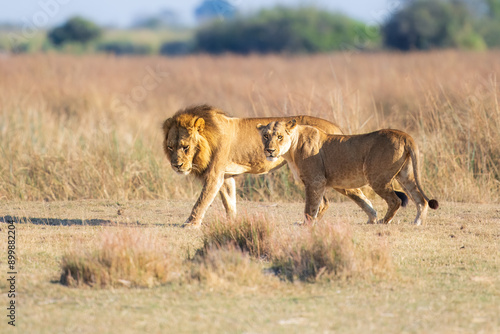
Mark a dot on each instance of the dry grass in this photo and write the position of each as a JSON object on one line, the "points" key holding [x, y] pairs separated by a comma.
{"points": [[306, 253], [326, 252], [226, 266], [233, 252], [89, 127], [446, 278], [129, 257], [246, 233]]}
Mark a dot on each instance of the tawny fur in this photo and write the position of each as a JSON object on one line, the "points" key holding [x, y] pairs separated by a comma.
{"points": [[203, 141], [375, 159]]}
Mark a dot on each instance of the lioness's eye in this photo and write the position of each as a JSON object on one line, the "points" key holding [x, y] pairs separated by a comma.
{"points": [[170, 148], [185, 148], [280, 137], [266, 137]]}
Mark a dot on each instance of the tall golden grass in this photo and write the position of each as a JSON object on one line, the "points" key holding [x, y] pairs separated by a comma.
{"points": [[77, 127]]}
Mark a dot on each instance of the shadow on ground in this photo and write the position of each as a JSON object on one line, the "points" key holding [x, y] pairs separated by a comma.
{"points": [[56, 221], [76, 222]]}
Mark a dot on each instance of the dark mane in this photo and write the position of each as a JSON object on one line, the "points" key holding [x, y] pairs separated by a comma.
{"points": [[205, 111]]}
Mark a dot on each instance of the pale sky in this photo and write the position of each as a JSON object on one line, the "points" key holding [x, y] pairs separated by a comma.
{"points": [[47, 13]]}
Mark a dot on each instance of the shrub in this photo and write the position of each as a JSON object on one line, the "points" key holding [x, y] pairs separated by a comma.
{"points": [[427, 24], [75, 30], [327, 251], [220, 266], [284, 30], [125, 48], [129, 257], [177, 48], [248, 234]]}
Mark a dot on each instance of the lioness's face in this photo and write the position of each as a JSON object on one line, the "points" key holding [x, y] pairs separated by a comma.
{"points": [[180, 146], [276, 138]]}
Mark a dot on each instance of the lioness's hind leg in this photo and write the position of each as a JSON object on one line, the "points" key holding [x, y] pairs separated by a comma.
{"points": [[407, 180], [392, 200], [228, 195], [364, 203]]}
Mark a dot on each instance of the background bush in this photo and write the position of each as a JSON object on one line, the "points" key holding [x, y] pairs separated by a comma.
{"points": [[125, 47], [304, 30], [76, 29]]}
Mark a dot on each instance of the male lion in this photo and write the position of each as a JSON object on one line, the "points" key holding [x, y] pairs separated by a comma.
{"points": [[203, 141], [341, 161]]}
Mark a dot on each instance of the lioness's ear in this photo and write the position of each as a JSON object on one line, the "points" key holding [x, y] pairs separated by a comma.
{"points": [[291, 124], [167, 125], [199, 124], [260, 127]]}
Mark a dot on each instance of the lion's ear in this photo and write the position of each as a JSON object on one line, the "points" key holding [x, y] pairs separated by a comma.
{"points": [[167, 125], [199, 124], [291, 124], [260, 126]]}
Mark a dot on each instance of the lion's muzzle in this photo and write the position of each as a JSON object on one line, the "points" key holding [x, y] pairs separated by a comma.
{"points": [[271, 154], [180, 168]]}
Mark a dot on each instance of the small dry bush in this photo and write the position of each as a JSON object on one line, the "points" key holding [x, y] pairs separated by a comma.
{"points": [[247, 233], [327, 251], [127, 257], [306, 253], [218, 266]]}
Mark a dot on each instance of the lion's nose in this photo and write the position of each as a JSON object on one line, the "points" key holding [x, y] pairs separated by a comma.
{"points": [[271, 151], [178, 166]]}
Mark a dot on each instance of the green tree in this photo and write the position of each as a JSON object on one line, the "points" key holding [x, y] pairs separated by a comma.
{"points": [[489, 26], [427, 24], [75, 30], [493, 8], [283, 29], [212, 9]]}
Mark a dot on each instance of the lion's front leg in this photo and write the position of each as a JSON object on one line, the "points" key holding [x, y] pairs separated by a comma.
{"points": [[210, 189], [314, 196], [228, 196]]}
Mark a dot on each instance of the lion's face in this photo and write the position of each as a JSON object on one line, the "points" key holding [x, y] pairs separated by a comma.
{"points": [[181, 145], [276, 138]]}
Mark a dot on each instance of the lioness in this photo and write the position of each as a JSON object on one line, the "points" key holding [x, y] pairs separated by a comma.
{"points": [[341, 161], [203, 141]]}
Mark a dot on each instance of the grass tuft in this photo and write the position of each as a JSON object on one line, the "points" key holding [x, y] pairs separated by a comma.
{"points": [[307, 254], [227, 265], [327, 251], [130, 257], [248, 234]]}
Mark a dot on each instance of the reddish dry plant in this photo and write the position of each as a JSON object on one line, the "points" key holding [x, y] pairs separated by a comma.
{"points": [[247, 233], [327, 251], [304, 253], [221, 266], [127, 257]]}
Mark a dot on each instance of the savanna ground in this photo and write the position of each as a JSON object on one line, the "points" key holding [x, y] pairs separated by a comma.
{"points": [[445, 278], [80, 158]]}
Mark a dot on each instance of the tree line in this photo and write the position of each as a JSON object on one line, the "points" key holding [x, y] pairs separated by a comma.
{"points": [[414, 25]]}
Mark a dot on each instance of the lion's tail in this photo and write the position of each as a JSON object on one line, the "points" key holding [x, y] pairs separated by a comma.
{"points": [[413, 150]]}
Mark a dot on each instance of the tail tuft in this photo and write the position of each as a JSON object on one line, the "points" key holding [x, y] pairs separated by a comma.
{"points": [[433, 204], [404, 199]]}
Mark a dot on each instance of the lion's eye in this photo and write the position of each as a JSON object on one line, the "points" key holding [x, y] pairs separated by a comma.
{"points": [[266, 137], [185, 148], [170, 148], [280, 137]]}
